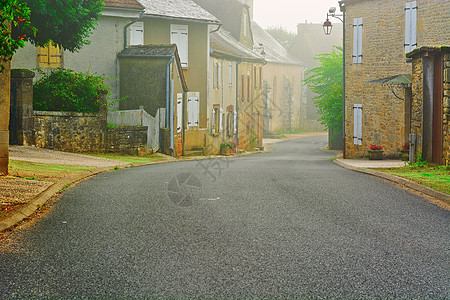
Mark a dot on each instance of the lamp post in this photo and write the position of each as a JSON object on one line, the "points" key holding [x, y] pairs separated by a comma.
{"points": [[327, 27]]}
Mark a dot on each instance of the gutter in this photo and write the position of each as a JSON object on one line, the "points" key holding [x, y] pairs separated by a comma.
{"points": [[125, 29], [236, 138]]}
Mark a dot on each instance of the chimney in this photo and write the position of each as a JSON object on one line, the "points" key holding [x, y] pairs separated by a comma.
{"points": [[249, 3]]}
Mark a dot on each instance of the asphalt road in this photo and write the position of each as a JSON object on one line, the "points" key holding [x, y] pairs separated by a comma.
{"points": [[283, 224]]}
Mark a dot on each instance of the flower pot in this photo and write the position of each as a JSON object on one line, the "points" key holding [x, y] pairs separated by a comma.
{"points": [[375, 154], [405, 155], [226, 151]]}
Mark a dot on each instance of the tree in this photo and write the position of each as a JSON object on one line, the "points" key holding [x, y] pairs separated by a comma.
{"points": [[326, 82], [67, 23], [281, 35]]}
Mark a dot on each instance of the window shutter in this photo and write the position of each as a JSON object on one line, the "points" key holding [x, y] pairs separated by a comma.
{"points": [[230, 74], [234, 122], [248, 88], [54, 55], [413, 25], [408, 27], [196, 109], [179, 36], [137, 34], [360, 28], [179, 111], [43, 56], [190, 109], [220, 120], [219, 74], [355, 41], [215, 75], [245, 23], [357, 124], [213, 121], [242, 88]]}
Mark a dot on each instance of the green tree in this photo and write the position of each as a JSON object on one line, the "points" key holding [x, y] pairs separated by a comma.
{"points": [[326, 82], [281, 35], [67, 23]]}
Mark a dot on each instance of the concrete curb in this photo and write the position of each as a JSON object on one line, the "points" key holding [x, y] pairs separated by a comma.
{"points": [[400, 181]]}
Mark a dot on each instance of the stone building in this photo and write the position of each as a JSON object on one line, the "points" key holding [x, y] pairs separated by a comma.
{"points": [[430, 104], [378, 36]]}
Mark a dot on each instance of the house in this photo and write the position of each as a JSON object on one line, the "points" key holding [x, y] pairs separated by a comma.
{"points": [[430, 109], [309, 42], [282, 82], [230, 90], [379, 34], [235, 16], [99, 56]]}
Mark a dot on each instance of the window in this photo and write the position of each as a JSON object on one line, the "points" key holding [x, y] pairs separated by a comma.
{"points": [[231, 122], [243, 88], [357, 40], [137, 34], [245, 24], [179, 36], [215, 75], [50, 56], [254, 78], [193, 106], [260, 77], [216, 119], [410, 26], [179, 111], [230, 75], [357, 124], [248, 88], [219, 75]]}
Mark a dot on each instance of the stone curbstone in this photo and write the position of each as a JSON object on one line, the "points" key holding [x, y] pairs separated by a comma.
{"points": [[399, 180]]}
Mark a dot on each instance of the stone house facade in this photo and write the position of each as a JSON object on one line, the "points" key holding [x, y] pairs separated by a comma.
{"points": [[431, 103], [378, 36]]}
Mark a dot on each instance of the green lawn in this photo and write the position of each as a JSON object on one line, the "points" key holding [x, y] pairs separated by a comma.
{"points": [[435, 177], [129, 158]]}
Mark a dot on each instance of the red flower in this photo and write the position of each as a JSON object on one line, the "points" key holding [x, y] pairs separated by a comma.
{"points": [[21, 37], [375, 147], [21, 20], [406, 146]]}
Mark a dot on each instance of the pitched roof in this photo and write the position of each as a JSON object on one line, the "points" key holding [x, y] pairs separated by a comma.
{"points": [[274, 51], [223, 44], [156, 51], [229, 12], [128, 4], [179, 9]]}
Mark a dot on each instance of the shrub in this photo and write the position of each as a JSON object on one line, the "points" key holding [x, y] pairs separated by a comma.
{"points": [[66, 90]]}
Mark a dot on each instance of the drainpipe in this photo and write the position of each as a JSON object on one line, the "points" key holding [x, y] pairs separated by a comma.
{"points": [[125, 29], [236, 137], [342, 8], [168, 106]]}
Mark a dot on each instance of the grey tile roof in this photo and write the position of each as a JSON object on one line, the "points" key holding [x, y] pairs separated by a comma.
{"points": [[151, 50], [274, 51], [128, 4], [184, 9], [223, 41]]}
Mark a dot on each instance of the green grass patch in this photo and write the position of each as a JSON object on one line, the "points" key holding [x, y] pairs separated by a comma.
{"points": [[129, 158], [26, 166], [435, 177]]}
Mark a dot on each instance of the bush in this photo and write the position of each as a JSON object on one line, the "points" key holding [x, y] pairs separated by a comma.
{"points": [[66, 90]]}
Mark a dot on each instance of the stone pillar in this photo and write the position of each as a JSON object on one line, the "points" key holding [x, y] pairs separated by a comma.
{"points": [[22, 82], [4, 118]]}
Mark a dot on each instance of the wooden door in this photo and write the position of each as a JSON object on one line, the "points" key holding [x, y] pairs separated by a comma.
{"points": [[437, 109]]}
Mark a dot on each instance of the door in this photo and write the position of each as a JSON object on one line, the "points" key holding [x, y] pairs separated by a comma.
{"points": [[437, 110]]}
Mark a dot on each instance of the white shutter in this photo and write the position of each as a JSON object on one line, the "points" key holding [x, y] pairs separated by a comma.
{"points": [[360, 28], [220, 120], [213, 121], [196, 108], [219, 74], [355, 41], [408, 27], [189, 107], [234, 122], [230, 74], [413, 25], [179, 111], [357, 124], [137, 34], [179, 36]]}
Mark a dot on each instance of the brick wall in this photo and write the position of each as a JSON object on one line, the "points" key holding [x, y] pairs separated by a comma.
{"points": [[384, 121]]}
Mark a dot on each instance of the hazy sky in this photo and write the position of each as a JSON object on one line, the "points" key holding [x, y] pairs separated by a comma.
{"points": [[289, 13]]}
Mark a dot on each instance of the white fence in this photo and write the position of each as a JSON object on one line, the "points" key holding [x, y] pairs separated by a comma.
{"points": [[139, 117]]}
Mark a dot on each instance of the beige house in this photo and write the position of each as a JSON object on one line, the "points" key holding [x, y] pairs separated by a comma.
{"points": [[379, 34]]}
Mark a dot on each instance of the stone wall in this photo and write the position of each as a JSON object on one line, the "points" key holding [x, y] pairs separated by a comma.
{"points": [[129, 140], [446, 116], [383, 55], [69, 131]]}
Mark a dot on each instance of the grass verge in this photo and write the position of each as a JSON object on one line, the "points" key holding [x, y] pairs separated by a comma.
{"points": [[40, 171], [435, 177], [129, 158]]}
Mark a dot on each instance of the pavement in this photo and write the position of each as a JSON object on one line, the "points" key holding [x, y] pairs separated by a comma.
{"points": [[33, 194], [283, 224]]}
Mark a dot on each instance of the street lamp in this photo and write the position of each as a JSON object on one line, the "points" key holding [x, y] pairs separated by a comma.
{"points": [[327, 26]]}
